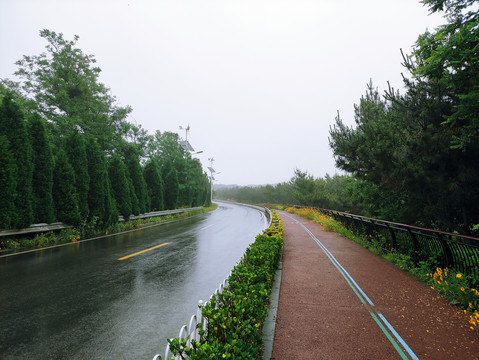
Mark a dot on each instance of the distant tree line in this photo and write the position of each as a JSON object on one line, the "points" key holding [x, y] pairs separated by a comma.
{"points": [[411, 157], [68, 153], [338, 192]]}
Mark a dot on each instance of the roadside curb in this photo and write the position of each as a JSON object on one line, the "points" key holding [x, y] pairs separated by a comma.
{"points": [[270, 322]]}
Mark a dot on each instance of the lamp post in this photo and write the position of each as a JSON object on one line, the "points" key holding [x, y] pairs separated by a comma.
{"points": [[188, 149], [212, 172]]}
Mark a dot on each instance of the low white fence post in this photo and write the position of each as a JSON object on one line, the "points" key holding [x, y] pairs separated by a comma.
{"points": [[196, 324]]}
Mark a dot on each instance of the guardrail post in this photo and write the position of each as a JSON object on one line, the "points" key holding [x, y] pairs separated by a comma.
{"points": [[447, 251], [335, 216], [366, 228], [354, 223], [393, 237], [415, 245], [346, 221]]}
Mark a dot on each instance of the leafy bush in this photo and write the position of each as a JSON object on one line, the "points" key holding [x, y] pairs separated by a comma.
{"points": [[236, 316]]}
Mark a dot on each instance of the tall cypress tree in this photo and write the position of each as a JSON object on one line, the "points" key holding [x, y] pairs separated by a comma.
{"points": [[207, 191], [98, 192], [14, 127], [75, 148], [64, 192], [136, 173], [111, 214], [154, 185], [170, 175], [7, 184], [103, 211], [42, 171], [120, 186], [135, 205]]}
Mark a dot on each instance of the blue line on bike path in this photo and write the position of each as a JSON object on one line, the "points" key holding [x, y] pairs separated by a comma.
{"points": [[379, 318]]}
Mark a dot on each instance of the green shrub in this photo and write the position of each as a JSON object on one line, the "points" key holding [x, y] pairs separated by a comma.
{"points": [[236, 316]]}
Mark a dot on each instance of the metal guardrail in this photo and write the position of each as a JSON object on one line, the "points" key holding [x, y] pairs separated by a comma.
{"points": [[192, 331], [160, 213], [35, 228], [43, 227], [447, 249], [266, 211]]}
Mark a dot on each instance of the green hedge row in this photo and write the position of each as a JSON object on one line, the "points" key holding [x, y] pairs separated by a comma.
{"points": [[236, 316]]}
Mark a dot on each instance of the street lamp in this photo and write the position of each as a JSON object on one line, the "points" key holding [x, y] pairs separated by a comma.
{"points": [[188, 150], [212, 172]]}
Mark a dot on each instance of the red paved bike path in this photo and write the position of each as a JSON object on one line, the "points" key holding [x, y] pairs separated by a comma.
{"points": [[320, 316]]}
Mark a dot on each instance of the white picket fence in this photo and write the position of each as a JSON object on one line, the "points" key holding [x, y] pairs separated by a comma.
{"points": [[192, 331]]}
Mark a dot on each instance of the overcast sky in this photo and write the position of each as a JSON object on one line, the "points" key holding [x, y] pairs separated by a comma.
{"points": [[259, 82]]}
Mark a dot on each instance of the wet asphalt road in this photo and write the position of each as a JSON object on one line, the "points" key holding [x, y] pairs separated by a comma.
{"points": [[80, 302]]}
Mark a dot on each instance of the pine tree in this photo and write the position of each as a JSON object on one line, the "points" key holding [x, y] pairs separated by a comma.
{"points": [[42, 171], [64, 192], [14, 127]]}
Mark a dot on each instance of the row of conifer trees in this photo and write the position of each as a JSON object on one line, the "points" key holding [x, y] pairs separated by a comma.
{"points": [[69, 178]]}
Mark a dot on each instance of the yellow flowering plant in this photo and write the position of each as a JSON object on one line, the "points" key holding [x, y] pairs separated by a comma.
{"points": [[455, 286]]}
